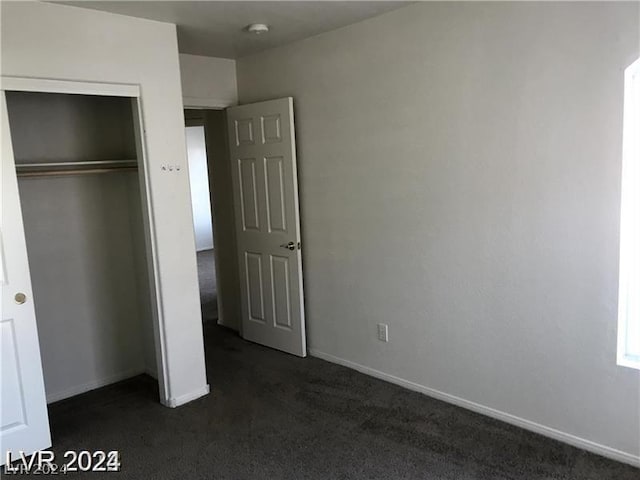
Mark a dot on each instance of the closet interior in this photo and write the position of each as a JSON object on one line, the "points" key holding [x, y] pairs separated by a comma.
{"points": [[77, 166]]}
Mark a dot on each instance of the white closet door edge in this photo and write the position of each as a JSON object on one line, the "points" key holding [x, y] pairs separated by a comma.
{"points": [[47, 85]]}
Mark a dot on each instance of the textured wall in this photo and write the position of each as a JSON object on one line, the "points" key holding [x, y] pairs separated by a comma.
{"points": [[208, 81], [460, 180]]}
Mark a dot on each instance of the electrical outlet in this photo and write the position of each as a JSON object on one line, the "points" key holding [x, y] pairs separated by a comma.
{"points": [[383, 332]]}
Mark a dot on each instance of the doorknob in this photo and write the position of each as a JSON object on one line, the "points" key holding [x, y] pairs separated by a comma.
{"points": [[290, 245], [20, 298]]}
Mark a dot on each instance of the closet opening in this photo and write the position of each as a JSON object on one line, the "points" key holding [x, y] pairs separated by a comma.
{"points": [[80, 169]]}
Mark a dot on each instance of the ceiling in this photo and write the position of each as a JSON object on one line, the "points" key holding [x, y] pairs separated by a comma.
{"points": [[215, 28]]}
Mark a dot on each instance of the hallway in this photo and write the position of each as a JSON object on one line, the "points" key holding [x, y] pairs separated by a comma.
{"points": [[208, 286]]}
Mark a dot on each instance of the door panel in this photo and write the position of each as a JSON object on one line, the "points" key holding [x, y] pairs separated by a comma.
{"points": [[276, 208], [280, 288], [24, 422], [244, 132], [253, 272], [13, 411], [270, 125], [249, 194], [265, 184]]}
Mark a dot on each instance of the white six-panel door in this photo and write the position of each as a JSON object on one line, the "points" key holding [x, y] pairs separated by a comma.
{"points": [[265, 186], [24, 423]]}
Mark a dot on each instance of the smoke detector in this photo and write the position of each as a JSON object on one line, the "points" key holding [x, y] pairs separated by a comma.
{"points": [[257, 28]]}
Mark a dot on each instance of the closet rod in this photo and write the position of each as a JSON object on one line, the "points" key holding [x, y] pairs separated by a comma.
{"points": [[82, 171], [77, 164]]}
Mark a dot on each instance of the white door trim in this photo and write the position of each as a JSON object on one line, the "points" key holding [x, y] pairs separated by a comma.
{"points": [[133, 91], [204, 103], [51, 85]]}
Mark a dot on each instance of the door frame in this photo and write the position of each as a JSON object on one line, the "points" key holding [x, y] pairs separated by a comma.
{"points": [[133, 92], [200, 122]]}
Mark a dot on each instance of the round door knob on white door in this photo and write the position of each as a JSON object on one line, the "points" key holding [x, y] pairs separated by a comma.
{"points": [[20, 298], [290, 245]]}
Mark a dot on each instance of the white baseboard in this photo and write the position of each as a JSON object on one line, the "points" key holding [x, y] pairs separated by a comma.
{"points": [[85, 387], [568, 438], [187, 397]]}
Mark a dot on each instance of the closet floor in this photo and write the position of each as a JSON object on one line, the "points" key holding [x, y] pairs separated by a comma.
{"points": [[208, 287], [271, 415]]}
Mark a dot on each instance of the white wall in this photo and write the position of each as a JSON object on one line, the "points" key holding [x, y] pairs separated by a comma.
{"points": [[82, 268], [208, 81], [62, 42], [199, 179], [460, 180]]}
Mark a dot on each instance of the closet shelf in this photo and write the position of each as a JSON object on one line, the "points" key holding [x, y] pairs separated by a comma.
{"points": [[42, 169]]}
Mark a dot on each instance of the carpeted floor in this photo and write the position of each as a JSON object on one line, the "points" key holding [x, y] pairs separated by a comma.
{"points": [[274, 416], [208, 287]]}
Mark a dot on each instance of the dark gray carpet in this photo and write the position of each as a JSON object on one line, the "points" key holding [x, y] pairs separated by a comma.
{"points": [[208, 288], [274, 416]]}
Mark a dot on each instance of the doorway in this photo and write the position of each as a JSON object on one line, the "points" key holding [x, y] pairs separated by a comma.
{"points": [[254, 205], [217, 266], [202, 220]]}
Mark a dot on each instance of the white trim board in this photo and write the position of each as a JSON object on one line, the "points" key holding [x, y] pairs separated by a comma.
{"points": [[206, 103], [86, 387], [564, 437], [187, 397], [50, 85]]}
